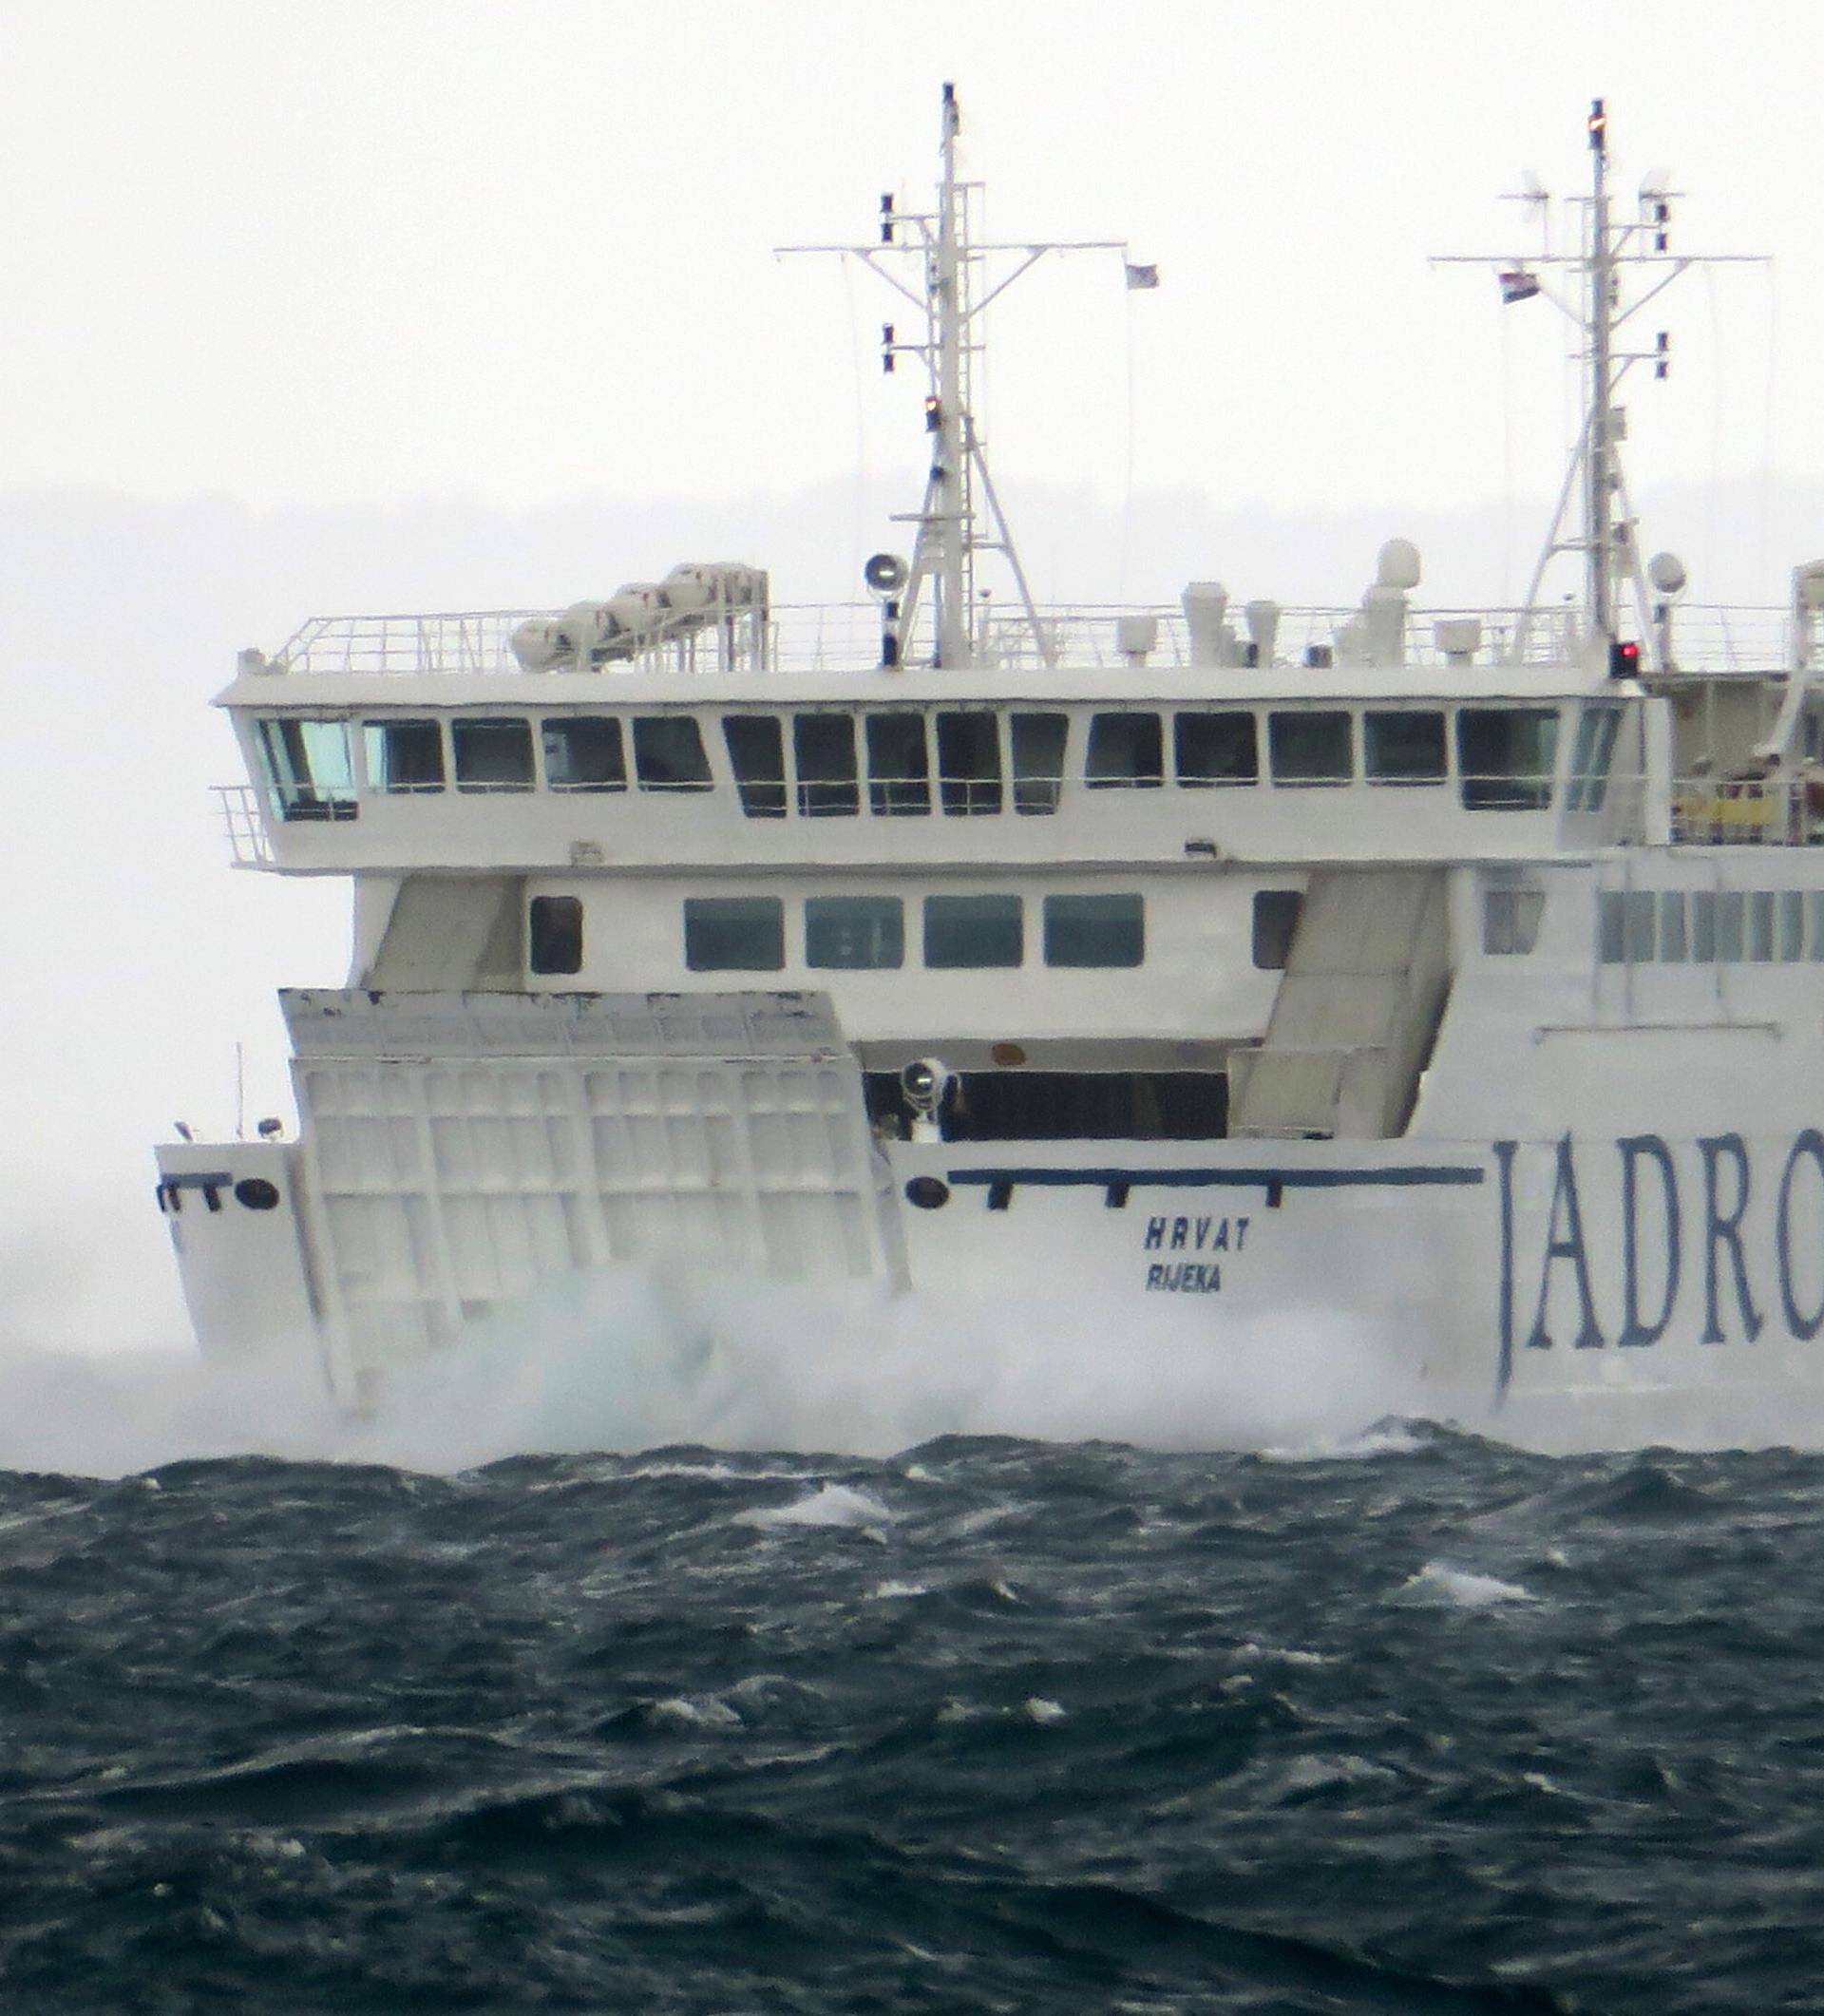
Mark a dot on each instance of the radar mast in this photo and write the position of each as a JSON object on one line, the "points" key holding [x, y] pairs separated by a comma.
{"points": [[1604, 528], [952, 527]]}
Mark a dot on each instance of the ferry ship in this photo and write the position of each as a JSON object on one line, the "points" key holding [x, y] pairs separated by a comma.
{"points": [[1456, 971]]}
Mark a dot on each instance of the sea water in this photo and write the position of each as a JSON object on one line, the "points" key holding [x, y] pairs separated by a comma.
{"points": [[1405, 1721]]}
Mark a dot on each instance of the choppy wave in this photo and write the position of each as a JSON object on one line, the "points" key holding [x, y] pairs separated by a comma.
{"points": [[982, 1724]]}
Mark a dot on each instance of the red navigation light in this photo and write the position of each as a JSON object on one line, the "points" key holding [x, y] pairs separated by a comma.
{"points": [[1624, 658]]}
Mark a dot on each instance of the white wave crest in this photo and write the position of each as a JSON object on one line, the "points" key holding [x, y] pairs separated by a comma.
{"points": [[1460, 1588], [829, 1505]]}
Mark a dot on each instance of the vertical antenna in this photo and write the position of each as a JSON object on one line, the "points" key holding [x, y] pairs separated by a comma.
{"points": [[240, 1091], [948, 537], [945, 553], [1605, 536], [1599, 472]]}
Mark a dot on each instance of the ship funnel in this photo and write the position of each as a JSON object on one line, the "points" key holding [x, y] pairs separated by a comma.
{"points": [[1263, 629], [1212, 642]]}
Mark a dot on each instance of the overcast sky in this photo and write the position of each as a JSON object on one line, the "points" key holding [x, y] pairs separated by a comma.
{"points": [[466, 303]]}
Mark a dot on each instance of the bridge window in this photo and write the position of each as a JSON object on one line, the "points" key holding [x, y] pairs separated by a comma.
{"points": [[899, 765], [823, 749], [1673, 937], [554, 934], [1039, 760], [1210, 749], [757, 757], [492, 754], [854, 932], [404, 755], [1127, 750], [667, 753], [1503, 758], [1403, 747], [733, 933], [969, 762], [973, 931], [307, 768], [1276, 923], [1094, 931], [1730, 914], [1814, 912], [1792, 923], [1311, 747], [583, 752], [1591, 757]]}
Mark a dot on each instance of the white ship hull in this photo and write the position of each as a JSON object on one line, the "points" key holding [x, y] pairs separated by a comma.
{"points": [[1454, 978]]}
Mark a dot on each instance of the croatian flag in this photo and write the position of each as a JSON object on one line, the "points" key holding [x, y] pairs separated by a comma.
{"points": [[1518, 285]]}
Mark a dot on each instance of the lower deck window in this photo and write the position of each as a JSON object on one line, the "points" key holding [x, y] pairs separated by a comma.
{"points": [[554, 934], [734, 934], [1094, 930], [854, 933], [1511, 920], [1276, 923], [973, 931]]}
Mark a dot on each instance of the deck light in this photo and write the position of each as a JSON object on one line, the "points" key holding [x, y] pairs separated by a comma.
{"points": [[1624, 659]]}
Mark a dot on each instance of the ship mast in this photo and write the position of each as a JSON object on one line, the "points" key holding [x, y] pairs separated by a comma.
{"points": [[950, 530], [1605, 527]]}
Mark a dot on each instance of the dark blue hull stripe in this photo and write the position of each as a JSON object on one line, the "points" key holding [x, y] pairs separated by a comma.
{"points": [[1409, 1176]]}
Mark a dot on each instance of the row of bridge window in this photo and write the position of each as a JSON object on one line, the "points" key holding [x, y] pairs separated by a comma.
{"points": [[959, 762]]}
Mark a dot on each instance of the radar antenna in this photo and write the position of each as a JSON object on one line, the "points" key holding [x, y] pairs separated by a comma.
{"points": [[1603, 532], [949, 532]]}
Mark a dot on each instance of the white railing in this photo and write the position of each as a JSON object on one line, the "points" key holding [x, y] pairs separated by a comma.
{"points": [[838, 637], [245, 825]]}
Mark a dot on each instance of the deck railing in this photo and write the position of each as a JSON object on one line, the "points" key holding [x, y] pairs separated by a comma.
{"points": [[245, 825], [838, 638]]}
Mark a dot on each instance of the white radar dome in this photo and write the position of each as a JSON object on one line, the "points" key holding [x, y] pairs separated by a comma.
{"points": [[1666, 572], [1397, 565]]}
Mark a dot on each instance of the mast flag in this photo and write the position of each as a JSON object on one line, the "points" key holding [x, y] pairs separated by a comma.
{"points": [[1142, 276], [1518, 285]]}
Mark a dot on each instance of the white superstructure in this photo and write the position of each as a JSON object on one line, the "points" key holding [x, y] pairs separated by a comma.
{"points": [[1456, 969]]}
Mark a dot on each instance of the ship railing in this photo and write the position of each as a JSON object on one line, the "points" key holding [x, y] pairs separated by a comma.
{"points": [[838, 638], [245, 825], [1748, 811]]}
